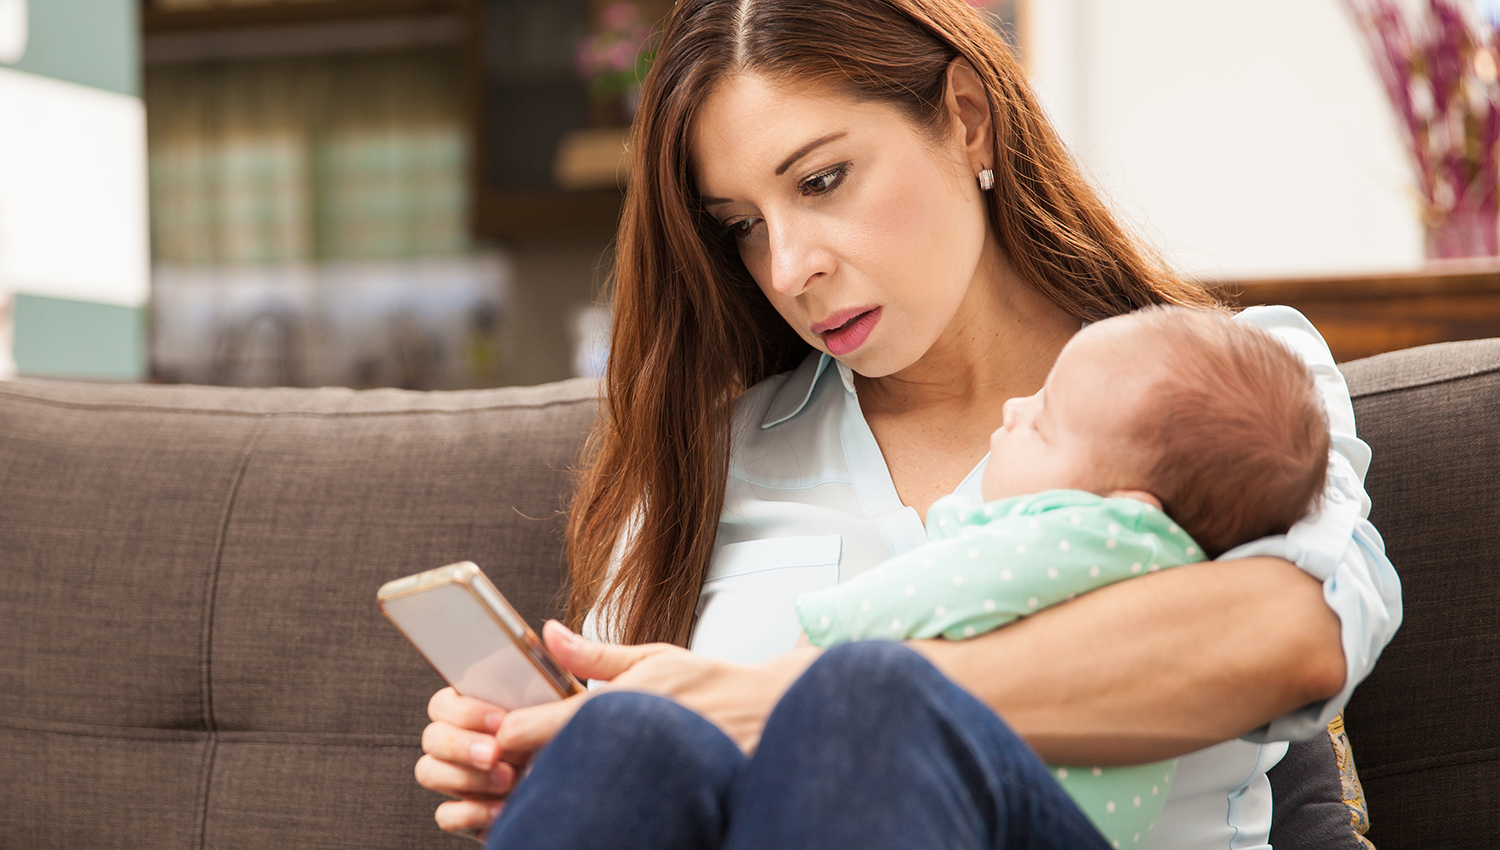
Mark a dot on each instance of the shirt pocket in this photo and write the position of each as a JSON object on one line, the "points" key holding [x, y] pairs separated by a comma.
{"points": [[747, 608]]}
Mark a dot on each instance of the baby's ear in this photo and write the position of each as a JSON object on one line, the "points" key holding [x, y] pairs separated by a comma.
{"points": [[1138, 495]]}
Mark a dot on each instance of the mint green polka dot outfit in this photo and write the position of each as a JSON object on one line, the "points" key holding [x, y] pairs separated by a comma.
{"points": [[988, 565]]}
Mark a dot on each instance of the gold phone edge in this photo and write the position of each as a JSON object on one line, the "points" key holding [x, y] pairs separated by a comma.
{"points": [[467, 573]]}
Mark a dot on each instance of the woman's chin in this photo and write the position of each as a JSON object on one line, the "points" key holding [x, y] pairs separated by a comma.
{"points": [[877, 358], [867, 367]]}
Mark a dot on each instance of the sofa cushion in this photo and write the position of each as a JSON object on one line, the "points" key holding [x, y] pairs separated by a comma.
{"points": [[190, 652], [1426, 724]]}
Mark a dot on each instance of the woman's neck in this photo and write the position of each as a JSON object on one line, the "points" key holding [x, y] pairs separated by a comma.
{"points": [[933, 419], [1001, 344]]}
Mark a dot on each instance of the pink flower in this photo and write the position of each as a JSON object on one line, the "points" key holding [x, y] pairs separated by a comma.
{"points": [[619, 17]]}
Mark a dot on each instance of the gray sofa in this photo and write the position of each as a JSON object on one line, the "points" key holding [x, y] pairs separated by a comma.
{"points": [[191, 657]]}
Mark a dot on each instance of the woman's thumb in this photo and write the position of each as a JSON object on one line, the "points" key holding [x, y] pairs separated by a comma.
{"points": [[585, 658]]}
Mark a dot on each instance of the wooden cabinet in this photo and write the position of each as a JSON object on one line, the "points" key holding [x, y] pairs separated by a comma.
{"points": [[1370, 314]]}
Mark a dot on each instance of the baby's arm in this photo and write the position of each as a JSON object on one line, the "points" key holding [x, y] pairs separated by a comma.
{"points": [[997, 570], [918, 594]]}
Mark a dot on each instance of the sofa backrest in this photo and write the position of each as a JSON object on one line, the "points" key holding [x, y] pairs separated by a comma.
{"points": [[190, 655], [1425, 727], [190, 652]]}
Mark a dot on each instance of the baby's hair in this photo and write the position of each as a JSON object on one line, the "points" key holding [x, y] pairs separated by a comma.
{"points": [[1238, 428]]}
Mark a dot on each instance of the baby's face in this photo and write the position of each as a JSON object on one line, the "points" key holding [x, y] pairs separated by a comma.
{"points": [[1072, 435]]}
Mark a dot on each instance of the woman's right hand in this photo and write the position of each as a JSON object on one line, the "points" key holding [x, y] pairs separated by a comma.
{"points": [[463, 760]]}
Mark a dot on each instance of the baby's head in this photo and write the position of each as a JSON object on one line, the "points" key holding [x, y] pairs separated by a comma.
{"points": [[1217, 420]]}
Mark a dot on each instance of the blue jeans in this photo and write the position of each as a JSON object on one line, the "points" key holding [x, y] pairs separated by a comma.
{"points": [[871, 748]]}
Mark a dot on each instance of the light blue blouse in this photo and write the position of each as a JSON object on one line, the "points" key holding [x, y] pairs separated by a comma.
{"points": [[810, 503]]}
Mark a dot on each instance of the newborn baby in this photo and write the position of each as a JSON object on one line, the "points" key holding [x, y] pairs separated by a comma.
{"points": [[1161, 438]]}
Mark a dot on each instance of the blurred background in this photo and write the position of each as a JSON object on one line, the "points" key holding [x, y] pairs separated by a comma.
{"points": [[422, 193]]}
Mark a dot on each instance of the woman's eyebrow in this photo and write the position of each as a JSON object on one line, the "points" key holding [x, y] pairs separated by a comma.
{"points": [[807, 149], [790, 161]]}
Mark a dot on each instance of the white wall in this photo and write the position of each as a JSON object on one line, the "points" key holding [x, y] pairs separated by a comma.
{"points": [[1245, 139], [72, 191]]}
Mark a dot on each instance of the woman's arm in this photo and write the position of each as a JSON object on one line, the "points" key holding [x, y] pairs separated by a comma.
{"points": [[1158, 666], [1138, 671]]}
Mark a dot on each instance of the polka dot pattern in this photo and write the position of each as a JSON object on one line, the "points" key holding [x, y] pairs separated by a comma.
{"points": [[1117, 799], [985, 567]]}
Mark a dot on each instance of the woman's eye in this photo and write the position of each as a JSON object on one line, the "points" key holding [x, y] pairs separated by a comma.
{"points": [[825, 181], [739, 229]]}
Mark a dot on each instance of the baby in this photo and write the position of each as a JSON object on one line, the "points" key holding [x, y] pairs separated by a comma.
{"points": [[1161, 438]]}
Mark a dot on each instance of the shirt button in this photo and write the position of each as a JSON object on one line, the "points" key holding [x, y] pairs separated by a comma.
{"points": [[1335, 495]]}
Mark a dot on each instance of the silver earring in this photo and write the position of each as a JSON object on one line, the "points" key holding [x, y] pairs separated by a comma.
{"points": [[987, 179]]}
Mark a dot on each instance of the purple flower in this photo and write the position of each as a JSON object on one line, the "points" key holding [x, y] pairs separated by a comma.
{"points": [[1439, 73]]}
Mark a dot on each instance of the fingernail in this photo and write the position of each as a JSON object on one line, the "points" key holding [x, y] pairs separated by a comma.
{"points": [[492, 721], [565, 635], [502, 777], [482, 752]]}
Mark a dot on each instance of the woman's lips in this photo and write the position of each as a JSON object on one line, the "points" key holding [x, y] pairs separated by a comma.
{"points": [[850, 333]]}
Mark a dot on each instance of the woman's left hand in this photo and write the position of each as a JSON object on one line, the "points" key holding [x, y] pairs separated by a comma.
{"points": [[734, 697]]}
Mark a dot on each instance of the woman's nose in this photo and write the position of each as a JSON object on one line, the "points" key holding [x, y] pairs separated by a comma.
{"points": [[797, 258]]}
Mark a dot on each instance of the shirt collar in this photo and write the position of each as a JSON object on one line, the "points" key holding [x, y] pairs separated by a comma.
{"points": [[794, 395]]}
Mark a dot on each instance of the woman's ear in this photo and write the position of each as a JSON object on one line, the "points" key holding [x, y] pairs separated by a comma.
{"points": [[969, 108]]}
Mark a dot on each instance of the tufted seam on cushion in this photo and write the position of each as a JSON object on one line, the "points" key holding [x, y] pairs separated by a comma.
{"points": [[374, 741], [1438, 762], [211, 581], [210, 593], [205, 783], [83, 730]]}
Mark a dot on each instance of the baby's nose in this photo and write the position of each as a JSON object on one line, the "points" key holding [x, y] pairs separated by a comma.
{"points": [[1012, 410]]}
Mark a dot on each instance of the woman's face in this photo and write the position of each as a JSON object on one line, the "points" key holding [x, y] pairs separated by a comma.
{"points": [[865, 234]]}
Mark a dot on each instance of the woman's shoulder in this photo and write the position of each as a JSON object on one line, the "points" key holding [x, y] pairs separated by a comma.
{"points": [[1293, 329]]}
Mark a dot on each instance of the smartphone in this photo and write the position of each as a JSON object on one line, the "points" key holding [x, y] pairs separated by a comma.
{"points": [[474, 638]]}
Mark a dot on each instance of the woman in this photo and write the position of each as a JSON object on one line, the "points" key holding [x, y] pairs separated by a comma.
{"points": [[865, 192]]}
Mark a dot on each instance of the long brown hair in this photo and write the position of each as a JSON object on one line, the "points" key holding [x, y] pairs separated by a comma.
{"points": [[691, 328]]}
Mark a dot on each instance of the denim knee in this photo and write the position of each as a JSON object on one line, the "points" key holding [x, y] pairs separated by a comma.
{"points": [[631, 771], [647, 727], [620, 707], [640, 716], [876, 667]]}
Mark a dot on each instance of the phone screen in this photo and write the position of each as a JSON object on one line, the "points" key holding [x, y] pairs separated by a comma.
{"points": [[461, 637]]}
